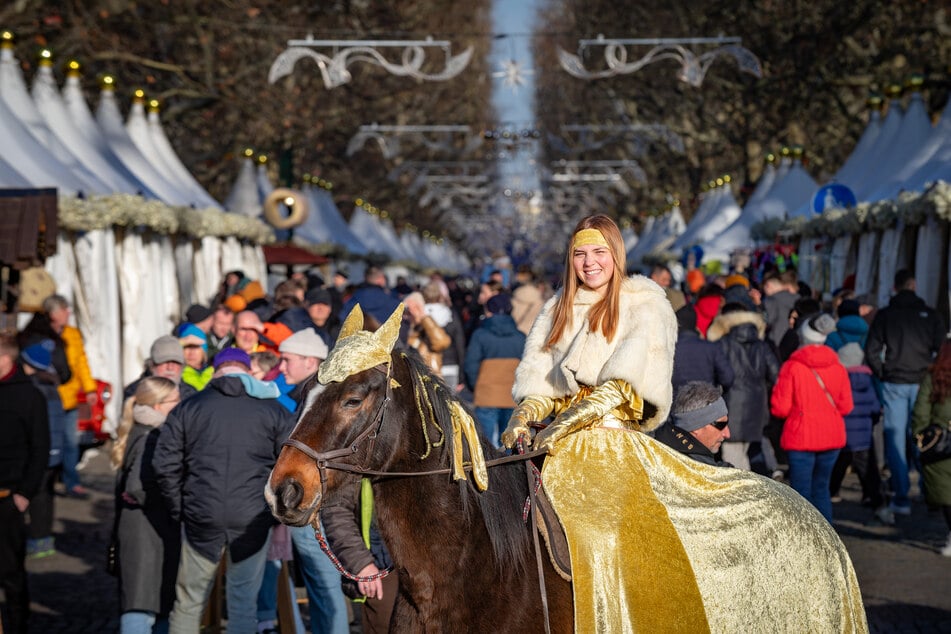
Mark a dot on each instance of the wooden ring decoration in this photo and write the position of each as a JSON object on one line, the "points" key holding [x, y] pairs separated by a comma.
{"points": [[272, 212]]}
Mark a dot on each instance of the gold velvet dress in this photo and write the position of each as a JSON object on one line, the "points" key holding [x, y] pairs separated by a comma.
{"points": [[660, 542]]}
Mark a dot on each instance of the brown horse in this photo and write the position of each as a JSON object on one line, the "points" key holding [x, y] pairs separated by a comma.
{"points": [[464, 557]]}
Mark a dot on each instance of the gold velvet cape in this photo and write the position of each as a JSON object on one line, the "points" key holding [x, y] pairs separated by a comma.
{"points": [[662, 543]]}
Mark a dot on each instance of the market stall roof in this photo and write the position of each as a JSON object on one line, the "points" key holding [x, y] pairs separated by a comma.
{"points": [[788, 192], [14, 94], [861, 155], [883, 144], [245, 198], [721, 214], [936, 163], [116, 135], [34, 161], [912, 134], [50, 104], [325, 225], [290, 254], [147, 133]]}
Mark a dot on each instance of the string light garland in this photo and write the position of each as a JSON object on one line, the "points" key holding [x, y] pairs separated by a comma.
{"points": [[693, 66], [334, 67]]}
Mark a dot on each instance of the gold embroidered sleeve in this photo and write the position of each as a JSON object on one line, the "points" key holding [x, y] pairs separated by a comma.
{"points": [[615, 396]]}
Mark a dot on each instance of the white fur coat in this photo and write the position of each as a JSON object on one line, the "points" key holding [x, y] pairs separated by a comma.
{"points": [[641, 353]]}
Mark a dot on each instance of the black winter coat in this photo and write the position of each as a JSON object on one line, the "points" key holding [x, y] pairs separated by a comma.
{"points": [[25, 434], [903, 339], [682, 441], [755, 367], [697, 359], [149, 539], [214, 455]]}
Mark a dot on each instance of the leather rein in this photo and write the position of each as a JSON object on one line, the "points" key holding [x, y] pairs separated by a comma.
{"points": [[326, 460]]}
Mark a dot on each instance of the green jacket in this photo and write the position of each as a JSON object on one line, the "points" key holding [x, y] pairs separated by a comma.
{"points": [[937, 474], [198, 379]]}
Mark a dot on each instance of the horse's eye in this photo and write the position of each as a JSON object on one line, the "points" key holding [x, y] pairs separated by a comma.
{"points": [[352, 402]]}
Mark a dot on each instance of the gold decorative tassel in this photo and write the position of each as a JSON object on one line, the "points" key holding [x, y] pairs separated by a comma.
{"points": [[463, 427]]}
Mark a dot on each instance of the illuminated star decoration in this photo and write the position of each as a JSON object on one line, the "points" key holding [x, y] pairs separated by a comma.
{"points": [[512, 74]]}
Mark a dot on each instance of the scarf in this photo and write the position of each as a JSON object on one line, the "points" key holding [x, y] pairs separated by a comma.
{"points": [[147, 415]]}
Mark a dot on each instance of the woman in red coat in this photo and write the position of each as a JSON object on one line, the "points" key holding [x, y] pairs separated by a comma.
{"points": [[813, 394]]}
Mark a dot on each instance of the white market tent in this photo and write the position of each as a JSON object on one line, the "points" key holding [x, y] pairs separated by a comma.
{"points": [[117, 138], [52, 108], [931, 163], [148, 135], [325, 225], [83, 121], [776, 195], [911, 135], [861, 155], [662, 232], [127, 285], [883, 143], [900, 171], [245, 198], [719, 213], [15, 95], [33, 160]]}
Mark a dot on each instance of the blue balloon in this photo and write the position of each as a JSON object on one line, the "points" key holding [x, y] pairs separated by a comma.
{"points": [[833, 196]]}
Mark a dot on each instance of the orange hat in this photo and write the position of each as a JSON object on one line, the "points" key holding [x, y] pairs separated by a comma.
{"points": [[695, 280], [274, 333], [737, 279], [236, 303]]}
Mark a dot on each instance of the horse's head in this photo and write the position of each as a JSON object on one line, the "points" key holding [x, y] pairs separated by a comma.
{"points": [[340, 420], [374, 409]]}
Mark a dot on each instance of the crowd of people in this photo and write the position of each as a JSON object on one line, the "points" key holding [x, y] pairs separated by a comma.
{"points": [[814, 389], [765, 378]]}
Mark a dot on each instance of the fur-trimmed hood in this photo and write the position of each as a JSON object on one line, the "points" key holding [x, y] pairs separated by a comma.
{"points": [[641, 353], [723, 324]]}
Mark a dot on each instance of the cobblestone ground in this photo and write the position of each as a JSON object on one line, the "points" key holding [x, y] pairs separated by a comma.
{"points": [[905, 582]]}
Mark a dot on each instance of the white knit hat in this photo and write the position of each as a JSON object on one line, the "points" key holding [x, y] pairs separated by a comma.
{"points": [[816, 329], [306, 343]]}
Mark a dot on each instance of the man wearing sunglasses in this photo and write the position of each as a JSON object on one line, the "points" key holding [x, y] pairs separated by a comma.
{"points": [[698, 423]]}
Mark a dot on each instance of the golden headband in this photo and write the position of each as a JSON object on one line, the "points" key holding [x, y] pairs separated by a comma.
{"points": [[587, 237]]}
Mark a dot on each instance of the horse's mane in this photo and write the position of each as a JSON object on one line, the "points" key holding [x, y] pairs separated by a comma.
{"points": [[501, 504]]}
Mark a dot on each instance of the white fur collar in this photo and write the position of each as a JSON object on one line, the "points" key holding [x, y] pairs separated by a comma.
{"points": [[641, 352]]}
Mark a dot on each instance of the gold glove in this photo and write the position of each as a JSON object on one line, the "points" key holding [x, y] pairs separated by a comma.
{"points": [[613, 395], [532, 409]]}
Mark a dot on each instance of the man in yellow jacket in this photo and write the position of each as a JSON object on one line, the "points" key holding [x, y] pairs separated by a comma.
{"points": [[81, 381]]}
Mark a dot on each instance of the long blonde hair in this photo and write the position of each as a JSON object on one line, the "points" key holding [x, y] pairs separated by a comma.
{"points": [[151, 390], [605, 314]]}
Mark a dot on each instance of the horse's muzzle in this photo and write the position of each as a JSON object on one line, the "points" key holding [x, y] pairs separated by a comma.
{"points": [[286, 501]]}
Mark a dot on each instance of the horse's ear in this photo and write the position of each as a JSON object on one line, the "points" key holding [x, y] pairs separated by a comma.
{"points": [[389, 332], [352, 324]]}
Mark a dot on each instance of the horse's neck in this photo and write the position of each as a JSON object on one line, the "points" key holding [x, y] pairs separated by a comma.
{"points": [[423, 520]]}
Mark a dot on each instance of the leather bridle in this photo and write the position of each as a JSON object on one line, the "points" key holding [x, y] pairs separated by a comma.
{"points": [[327, 460]]}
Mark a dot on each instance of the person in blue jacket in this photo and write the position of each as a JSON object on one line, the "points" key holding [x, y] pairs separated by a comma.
{"points": [[494, 351], [851, 327], [859, 451]]}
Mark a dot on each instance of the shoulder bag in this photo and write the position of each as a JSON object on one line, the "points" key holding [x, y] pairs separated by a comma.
{"points": [[934, 443]]}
